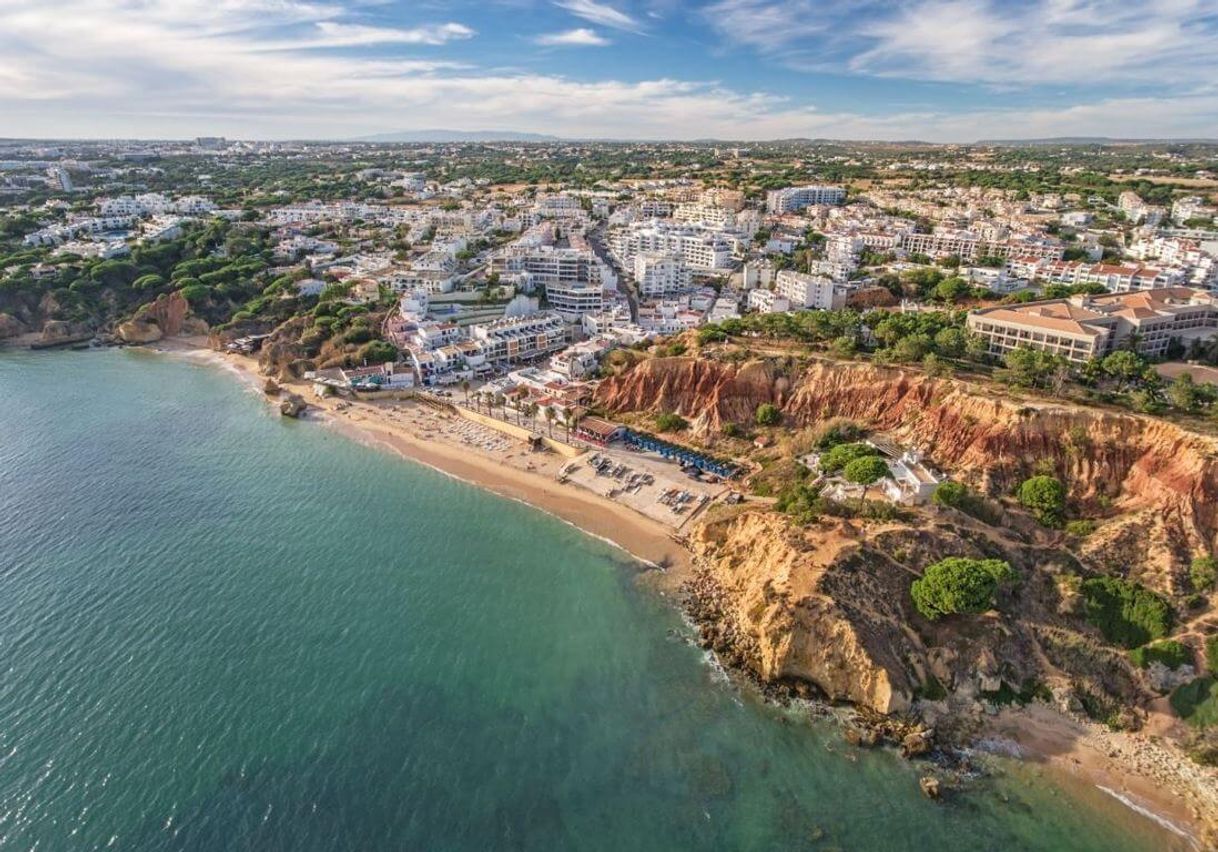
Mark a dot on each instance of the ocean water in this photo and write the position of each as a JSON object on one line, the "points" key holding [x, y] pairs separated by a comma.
{"points": [[224, 630]]}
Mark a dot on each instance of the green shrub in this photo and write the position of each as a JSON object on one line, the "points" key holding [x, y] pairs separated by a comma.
{"points": [[378, 352], [842, 454], [767, 415], [1046, 498], [952, 494], [801, 502], [732, 430], [1203, 572], [1196, 702], [1080, 529], [1126, 613], [963, 498], [196, 294], [357, 335], [1100, 708], [1168, 652], [932, 690], [838, 431], [669, 421], [959, 585], [1211, 653]]}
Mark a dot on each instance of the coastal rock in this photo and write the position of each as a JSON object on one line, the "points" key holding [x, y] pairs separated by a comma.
{"points": [[168, 316], [271, 387], [862, 737], [1163, 680], [293, 406], [137, 331], [61, 331], [10, 326], [930, 787], [782, 607], [917, 744]]}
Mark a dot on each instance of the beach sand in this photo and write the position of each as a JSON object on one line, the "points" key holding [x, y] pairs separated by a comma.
{"points": [[417, 432], [1139, 769]]}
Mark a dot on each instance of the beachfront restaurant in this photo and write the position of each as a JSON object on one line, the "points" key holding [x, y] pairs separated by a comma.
{"points": [[595, 430]]}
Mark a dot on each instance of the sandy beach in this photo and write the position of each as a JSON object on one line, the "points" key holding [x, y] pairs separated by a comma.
{"points": [[1138, 769], [477, 455]]}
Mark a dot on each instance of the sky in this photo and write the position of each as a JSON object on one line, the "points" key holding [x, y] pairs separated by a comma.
{"points": [[934, 70]]}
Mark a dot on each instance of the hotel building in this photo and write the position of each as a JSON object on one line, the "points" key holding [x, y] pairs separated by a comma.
{"points": [[1084, 327]]}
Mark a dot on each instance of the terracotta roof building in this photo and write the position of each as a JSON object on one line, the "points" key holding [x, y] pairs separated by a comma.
{"points": [[1084, 327]]}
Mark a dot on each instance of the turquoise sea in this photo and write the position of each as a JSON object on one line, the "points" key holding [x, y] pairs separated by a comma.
{"points": [[223, 630]]}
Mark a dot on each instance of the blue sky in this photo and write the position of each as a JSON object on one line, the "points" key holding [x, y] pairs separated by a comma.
{"points": [[939, 70]]}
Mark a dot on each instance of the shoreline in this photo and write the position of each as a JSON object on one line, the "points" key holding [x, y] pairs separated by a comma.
{"points": [[1069, 751], [1136, 769], [528, 478]]}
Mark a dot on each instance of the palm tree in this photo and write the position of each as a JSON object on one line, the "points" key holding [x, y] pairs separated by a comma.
{"points": [[465, 387], [550, 415], [568, 419], [532, 412]]}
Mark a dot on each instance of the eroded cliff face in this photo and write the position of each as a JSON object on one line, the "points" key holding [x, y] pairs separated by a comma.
{"points": [[829, 604], [771, 589], [1149, 471], [168, 316]]}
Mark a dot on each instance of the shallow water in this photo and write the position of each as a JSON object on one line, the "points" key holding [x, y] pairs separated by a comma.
{"points": [[220, 629]]}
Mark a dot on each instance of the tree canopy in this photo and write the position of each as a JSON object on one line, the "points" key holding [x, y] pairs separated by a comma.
{"points": [[959, 585]]}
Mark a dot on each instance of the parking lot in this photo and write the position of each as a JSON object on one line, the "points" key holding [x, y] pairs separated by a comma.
{"points": [[644, 482]]}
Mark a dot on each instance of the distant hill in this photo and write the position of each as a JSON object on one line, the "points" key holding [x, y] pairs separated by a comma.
{"points": [[1094, 140], [458, 136]]}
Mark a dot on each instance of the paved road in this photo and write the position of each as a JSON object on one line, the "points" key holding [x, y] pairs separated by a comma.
{"points": [[596, 239]]}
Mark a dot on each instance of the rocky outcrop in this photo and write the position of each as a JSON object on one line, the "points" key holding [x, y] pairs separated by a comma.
{"points": [[930, 787], [1113, 463], [10, 326], [56, 332], [168, 316], [829, 604], [773, 590], [293, 405], [137, 331]]}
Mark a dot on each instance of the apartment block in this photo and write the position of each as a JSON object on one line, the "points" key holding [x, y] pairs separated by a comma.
{"points": [[809, 291], [796, 198]]}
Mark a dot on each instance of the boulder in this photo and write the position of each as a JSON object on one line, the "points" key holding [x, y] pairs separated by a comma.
{"points": [[917, 744], [930, 786], [60, 331], [293, 406], [862, 737], [139, 331], [271, 388], [990, 683], [10, 326]]}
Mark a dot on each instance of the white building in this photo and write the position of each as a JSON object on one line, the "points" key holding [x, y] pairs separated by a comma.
{"points": [[768, 302], [796, 198], [516, 339], [808, 291], [698, 247], [657, 275]]}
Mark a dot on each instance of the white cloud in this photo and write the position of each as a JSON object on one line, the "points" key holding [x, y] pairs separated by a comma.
{"points": [[996, 42], [334, 34], [161, 68], [600, 13], [578, 37]]}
